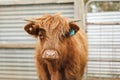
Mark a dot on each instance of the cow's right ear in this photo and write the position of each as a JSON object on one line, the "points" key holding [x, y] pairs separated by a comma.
{"points": [[31, 29]]}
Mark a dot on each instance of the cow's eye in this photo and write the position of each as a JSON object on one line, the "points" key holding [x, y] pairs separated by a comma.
{"points": [[41, 34]]}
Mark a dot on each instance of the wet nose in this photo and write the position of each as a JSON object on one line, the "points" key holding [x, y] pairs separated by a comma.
{"points": [[50, 54]]}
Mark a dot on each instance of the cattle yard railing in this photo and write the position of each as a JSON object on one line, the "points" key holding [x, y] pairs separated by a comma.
{"points": [[103, 40]]}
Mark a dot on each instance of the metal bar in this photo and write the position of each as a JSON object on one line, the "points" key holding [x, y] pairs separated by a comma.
{"points": [[92, 67], [101, 60], [97, 78], [14, 45], [103, 23], [23, 2]]}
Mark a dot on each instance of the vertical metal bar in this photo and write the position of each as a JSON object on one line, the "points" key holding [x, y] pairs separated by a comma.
{"points": [[79, 12]]}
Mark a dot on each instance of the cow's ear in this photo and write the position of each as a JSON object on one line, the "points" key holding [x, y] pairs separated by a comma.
{"points": [[73, 29], [31, 29]]}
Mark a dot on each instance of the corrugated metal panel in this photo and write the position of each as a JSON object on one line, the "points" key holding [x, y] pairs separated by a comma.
{"points": [[104, 46], [18, 64], [12, 23], [103, 16]]}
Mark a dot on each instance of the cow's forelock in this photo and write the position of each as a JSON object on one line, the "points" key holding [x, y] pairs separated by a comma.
{"points": [[54, 25]]}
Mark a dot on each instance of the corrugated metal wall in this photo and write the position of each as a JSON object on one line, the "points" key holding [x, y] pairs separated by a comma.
{"points": [[104, 46], [11, 19], [17, 63]]}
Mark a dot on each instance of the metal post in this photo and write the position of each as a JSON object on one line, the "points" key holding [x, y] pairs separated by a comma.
{"points": [[79, 12]]}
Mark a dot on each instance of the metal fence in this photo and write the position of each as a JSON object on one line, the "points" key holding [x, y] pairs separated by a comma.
{"points": [[103, 30]]}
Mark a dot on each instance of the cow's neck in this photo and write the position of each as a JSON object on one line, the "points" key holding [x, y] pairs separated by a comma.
{"points": [[53, 69], [55, 76]]}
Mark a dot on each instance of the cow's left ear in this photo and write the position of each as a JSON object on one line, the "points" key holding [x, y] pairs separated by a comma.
{"points": [[73, 29]]}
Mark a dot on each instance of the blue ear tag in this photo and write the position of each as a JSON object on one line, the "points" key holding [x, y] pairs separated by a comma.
{"points": [[72, 32]]}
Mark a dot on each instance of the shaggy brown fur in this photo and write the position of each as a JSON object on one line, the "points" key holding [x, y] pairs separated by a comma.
{"points": [[52, 32]]}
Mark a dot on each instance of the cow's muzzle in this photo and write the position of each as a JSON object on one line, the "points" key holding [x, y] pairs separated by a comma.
{"points": [[50, 54]]}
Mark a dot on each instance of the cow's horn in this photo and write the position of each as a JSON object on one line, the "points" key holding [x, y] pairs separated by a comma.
{"points": [[30, 20], [74, 20]]}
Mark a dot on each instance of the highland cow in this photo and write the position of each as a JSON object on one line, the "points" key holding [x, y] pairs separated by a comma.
{"points": [[61, 51]]}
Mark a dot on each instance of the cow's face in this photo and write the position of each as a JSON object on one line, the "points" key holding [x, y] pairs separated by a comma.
{"points": [[53, 33]]}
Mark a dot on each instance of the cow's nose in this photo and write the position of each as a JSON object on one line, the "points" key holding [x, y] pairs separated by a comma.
{"points": [[50, 54]]}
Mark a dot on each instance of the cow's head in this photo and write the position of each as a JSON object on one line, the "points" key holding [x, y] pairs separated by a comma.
{"points": [[53, 33]]}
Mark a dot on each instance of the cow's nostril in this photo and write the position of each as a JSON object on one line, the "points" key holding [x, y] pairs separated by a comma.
{"points": [[50, 54]]}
